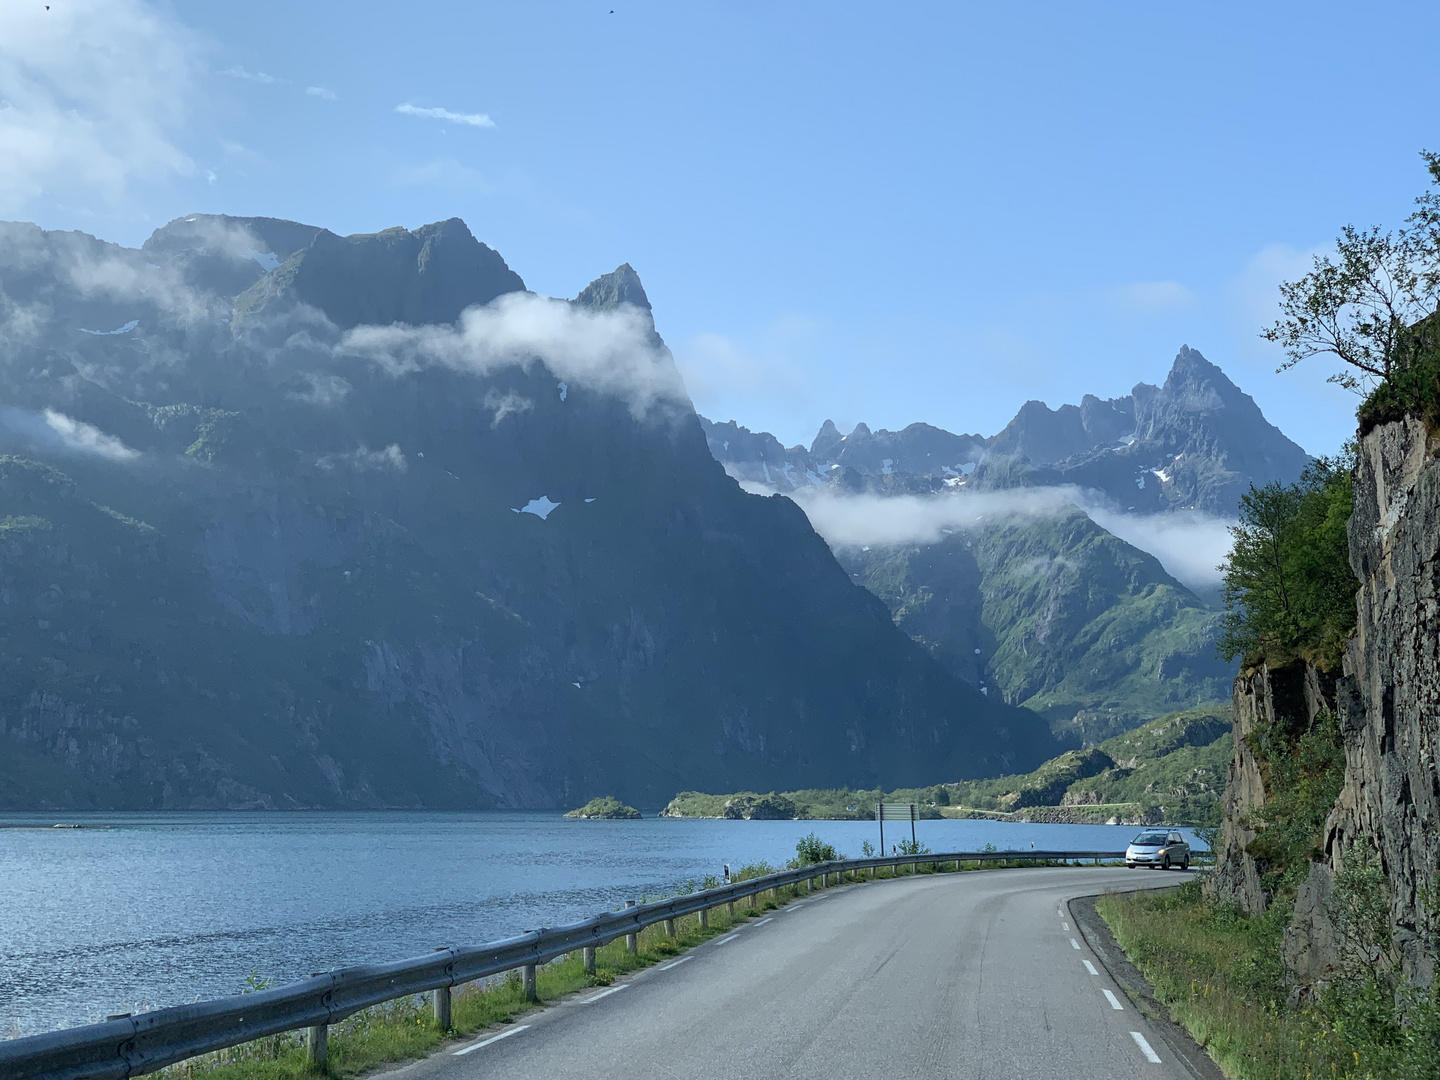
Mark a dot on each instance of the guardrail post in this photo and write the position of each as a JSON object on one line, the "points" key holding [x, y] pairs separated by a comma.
{"points": [[442, 1008], [670, 929], [589, 953], [317, 1045], [872, 873], [825, 880], [731, 905], [704, 918], [527, 978], [632, 941]]}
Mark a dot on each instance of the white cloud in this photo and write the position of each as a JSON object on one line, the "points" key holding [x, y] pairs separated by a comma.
{"points": [[238, 72], [94, 95], [1189, 546], [611, 351], [321, 92], [479, 120], [321, 388], [57, 433], [506, 404], [391, 459]]}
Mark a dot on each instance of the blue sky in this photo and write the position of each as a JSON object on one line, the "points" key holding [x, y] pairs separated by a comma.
{"points": [[852, 211]]}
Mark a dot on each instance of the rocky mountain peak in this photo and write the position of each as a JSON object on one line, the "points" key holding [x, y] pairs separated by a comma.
{"points": [[1196, 383], [1041, 434], [621, 286], [429, 275], [264, 240], [826, 441]]}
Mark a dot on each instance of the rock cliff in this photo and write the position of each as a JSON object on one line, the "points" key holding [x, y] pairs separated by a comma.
{"points": [[1264, 701], [1388, 703]]}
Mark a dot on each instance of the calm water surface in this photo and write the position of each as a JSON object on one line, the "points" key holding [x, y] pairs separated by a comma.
{"points": [[137, 911]]}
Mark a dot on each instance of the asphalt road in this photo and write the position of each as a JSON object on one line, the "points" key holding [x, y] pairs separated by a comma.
{"points": [[975, 975]]}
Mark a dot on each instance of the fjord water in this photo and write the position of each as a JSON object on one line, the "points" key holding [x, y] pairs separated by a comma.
{"points": [[138, 911]]}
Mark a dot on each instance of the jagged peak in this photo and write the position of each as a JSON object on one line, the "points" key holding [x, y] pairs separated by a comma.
{"points": [[621, 286], [1191, 368]]}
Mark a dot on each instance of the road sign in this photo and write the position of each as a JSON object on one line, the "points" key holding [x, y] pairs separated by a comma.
{"points": [[899, 811], [896, 811]]}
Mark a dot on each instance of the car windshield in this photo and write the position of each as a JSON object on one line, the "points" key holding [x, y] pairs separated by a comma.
{"points": [[1150, 838]]}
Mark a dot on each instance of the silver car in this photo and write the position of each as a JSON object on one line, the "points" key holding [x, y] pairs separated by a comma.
{"points": [[1159, 850]]}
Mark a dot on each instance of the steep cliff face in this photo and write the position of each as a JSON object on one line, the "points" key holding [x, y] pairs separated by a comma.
{"points": [[1236, 879], [289, 519], [1268, 703], [1389, 702]]}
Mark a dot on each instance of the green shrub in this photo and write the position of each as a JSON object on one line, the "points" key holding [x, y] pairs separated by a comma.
{"points": [[1303, 776], [811, 849]]}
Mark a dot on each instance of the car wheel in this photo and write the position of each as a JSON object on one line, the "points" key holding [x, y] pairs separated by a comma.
{"points": [[1165, 863], [1186, 864]]}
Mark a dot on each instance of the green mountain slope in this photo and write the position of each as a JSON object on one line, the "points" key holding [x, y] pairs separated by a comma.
{"points": [[1171, 769], [1056, 614]]}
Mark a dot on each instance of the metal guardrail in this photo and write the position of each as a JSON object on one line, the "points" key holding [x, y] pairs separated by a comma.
{"points": [[134, 1045]]}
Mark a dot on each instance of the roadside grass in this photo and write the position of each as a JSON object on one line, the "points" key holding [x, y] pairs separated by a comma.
{"points": [[1220, 974], [405, 1029]]}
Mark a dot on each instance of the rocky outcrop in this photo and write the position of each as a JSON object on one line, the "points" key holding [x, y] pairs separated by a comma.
{"points": [[1389, 703], [1267, 699]]}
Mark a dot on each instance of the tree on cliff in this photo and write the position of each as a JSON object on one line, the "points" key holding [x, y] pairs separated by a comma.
{"points": [[1289, 589], [1372, 304]]}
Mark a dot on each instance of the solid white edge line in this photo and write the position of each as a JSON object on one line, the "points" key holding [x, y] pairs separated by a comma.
{"points": [[1074, 944], [762, 922], [1150, 1055], [725, 940], [1114, 1001], [676, 963], [493, 1038], [603, 994], [1090, 967]]}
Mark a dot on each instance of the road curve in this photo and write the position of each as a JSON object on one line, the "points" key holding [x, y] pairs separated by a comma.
{"points": [[981, 976]]}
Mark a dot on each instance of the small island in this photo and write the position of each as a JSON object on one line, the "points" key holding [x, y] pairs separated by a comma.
{"points": [[605, 808]]}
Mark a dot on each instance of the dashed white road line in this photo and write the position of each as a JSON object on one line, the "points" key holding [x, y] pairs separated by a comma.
{"points": [[1074, 944], [1150, 1055], [676, 963], [1059, 912], [794, 906], [1065, 926], [1090, 967], [602, 994], [726, 940], [762, 922], [496, 1038], [1114, 1001]]}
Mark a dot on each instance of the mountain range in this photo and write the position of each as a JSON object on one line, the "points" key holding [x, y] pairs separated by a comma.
{"points": [[1008, 579], [293, 519]]}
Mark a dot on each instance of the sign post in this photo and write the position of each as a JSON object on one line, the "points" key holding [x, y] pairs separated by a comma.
{"points": [[896, 811]]}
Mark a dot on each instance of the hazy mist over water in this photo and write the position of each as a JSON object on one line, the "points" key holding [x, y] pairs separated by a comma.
{"points": [[139, 911]]}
